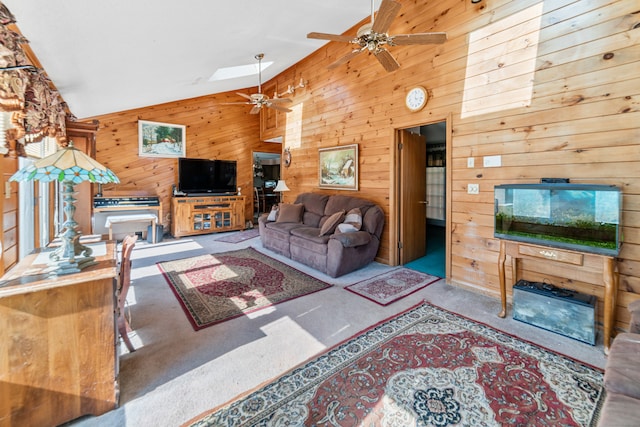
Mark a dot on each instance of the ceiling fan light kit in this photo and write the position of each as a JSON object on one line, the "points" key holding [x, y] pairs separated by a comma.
{"points": [[372, 37], [259, 100]]}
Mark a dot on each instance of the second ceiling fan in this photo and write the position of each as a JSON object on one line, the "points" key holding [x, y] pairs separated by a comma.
{"points": [[373, 37], [259, 100]]}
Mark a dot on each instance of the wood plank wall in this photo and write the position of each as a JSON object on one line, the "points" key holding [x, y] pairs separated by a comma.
{"points": [[213, 131], [550, 86]]}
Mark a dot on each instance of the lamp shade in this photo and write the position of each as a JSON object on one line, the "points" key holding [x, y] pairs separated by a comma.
{"points": [[281, 186], [69, 166], [66, 165]]}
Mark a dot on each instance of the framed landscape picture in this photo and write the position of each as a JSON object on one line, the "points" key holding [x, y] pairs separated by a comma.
{"points": [[161, 139], [338, 167]]}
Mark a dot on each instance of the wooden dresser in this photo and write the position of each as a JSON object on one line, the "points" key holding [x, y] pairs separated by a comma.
{"points": [[58, 353]]}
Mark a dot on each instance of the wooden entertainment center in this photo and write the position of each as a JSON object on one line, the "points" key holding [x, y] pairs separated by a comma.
{"points": [[193, 215]]}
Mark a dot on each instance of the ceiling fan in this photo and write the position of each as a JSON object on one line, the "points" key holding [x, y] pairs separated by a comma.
{"points": [[259, 100], [373, 37]]}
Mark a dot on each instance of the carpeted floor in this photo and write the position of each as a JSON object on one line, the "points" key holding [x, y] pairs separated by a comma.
{"points": [[177, 373], [434, 260]]}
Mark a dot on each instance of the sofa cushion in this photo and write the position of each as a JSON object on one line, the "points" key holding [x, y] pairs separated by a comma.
{"points": [[346, 228], [331, 223], [313, 202], [314, 205], [351, 240], [282, 227], [634, 322], [354, 218], [621, 374], [315, 244], [273, 215], [290, 212], [346, 203], [619, 410]]}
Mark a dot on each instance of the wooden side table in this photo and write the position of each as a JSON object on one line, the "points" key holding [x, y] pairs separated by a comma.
{"points": [[582, 261]]}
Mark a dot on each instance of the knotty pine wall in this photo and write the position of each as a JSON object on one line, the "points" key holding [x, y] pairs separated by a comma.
{"points": [[213, 131], [550, 86]]}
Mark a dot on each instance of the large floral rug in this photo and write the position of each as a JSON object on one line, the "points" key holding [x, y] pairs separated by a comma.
{"points": [[218, 287], [425, 367], [389, 287]]}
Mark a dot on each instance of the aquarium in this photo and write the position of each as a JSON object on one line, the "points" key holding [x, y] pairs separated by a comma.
{"points": [[580, 217]]}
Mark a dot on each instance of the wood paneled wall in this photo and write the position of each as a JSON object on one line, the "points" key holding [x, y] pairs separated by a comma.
{"points": [[213, 131], [550, 86]]}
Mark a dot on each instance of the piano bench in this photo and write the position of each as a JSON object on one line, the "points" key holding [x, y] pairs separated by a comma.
{"points": [[118, 219]]}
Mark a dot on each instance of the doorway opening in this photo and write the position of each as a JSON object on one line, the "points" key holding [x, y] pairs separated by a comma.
{"points": [[266, 173], [422, 194]]}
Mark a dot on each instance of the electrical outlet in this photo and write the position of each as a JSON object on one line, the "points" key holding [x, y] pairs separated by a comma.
{"points": [[473, 188], [470, 162]]}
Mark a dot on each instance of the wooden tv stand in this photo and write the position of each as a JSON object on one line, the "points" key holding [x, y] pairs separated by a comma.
{"points": [[601, 270], [194, 215]]}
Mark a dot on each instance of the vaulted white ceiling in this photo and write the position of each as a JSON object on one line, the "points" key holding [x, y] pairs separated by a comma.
{"points": [[114, 55]]}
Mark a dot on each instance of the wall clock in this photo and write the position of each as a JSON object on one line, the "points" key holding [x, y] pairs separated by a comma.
{"points": [[286, 158], [416, 98]]}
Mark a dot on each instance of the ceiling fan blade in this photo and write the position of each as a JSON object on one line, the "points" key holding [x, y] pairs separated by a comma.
{"points": [[419, 38], [236, 103], [255, 109], [280, 100], [385, 16], [279, 108], [348, 57], [332, 37], [388, 62], [244, 95]]}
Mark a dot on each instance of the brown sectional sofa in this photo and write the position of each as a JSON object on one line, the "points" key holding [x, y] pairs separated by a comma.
{"points": [[622, 376], [335, 253]]}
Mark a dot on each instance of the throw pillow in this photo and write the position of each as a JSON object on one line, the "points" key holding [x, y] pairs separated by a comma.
{"points": [[273, 215], [346, 228], [331, 223], [354, 218], [290, 212]]}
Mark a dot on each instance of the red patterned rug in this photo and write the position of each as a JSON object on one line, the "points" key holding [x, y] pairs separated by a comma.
{"points": [[389, 287], [218, 287], [425, 367]]}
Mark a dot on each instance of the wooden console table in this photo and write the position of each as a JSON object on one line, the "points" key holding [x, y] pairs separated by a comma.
{"points": [[585, 262], [58, 359]]}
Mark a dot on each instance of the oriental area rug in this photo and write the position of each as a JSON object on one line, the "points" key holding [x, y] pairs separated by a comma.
{"points": [[425, 367], [389, 287], [217, 287]]}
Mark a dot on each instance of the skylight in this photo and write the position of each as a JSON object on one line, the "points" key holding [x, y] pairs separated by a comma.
{"points": [[237, 71]]}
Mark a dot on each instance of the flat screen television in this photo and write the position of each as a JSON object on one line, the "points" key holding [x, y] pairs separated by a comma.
{"points": [[206, 177]]}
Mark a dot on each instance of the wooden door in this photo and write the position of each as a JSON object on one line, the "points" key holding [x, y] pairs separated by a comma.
{"points": [[413, 191], [9, 221]]}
